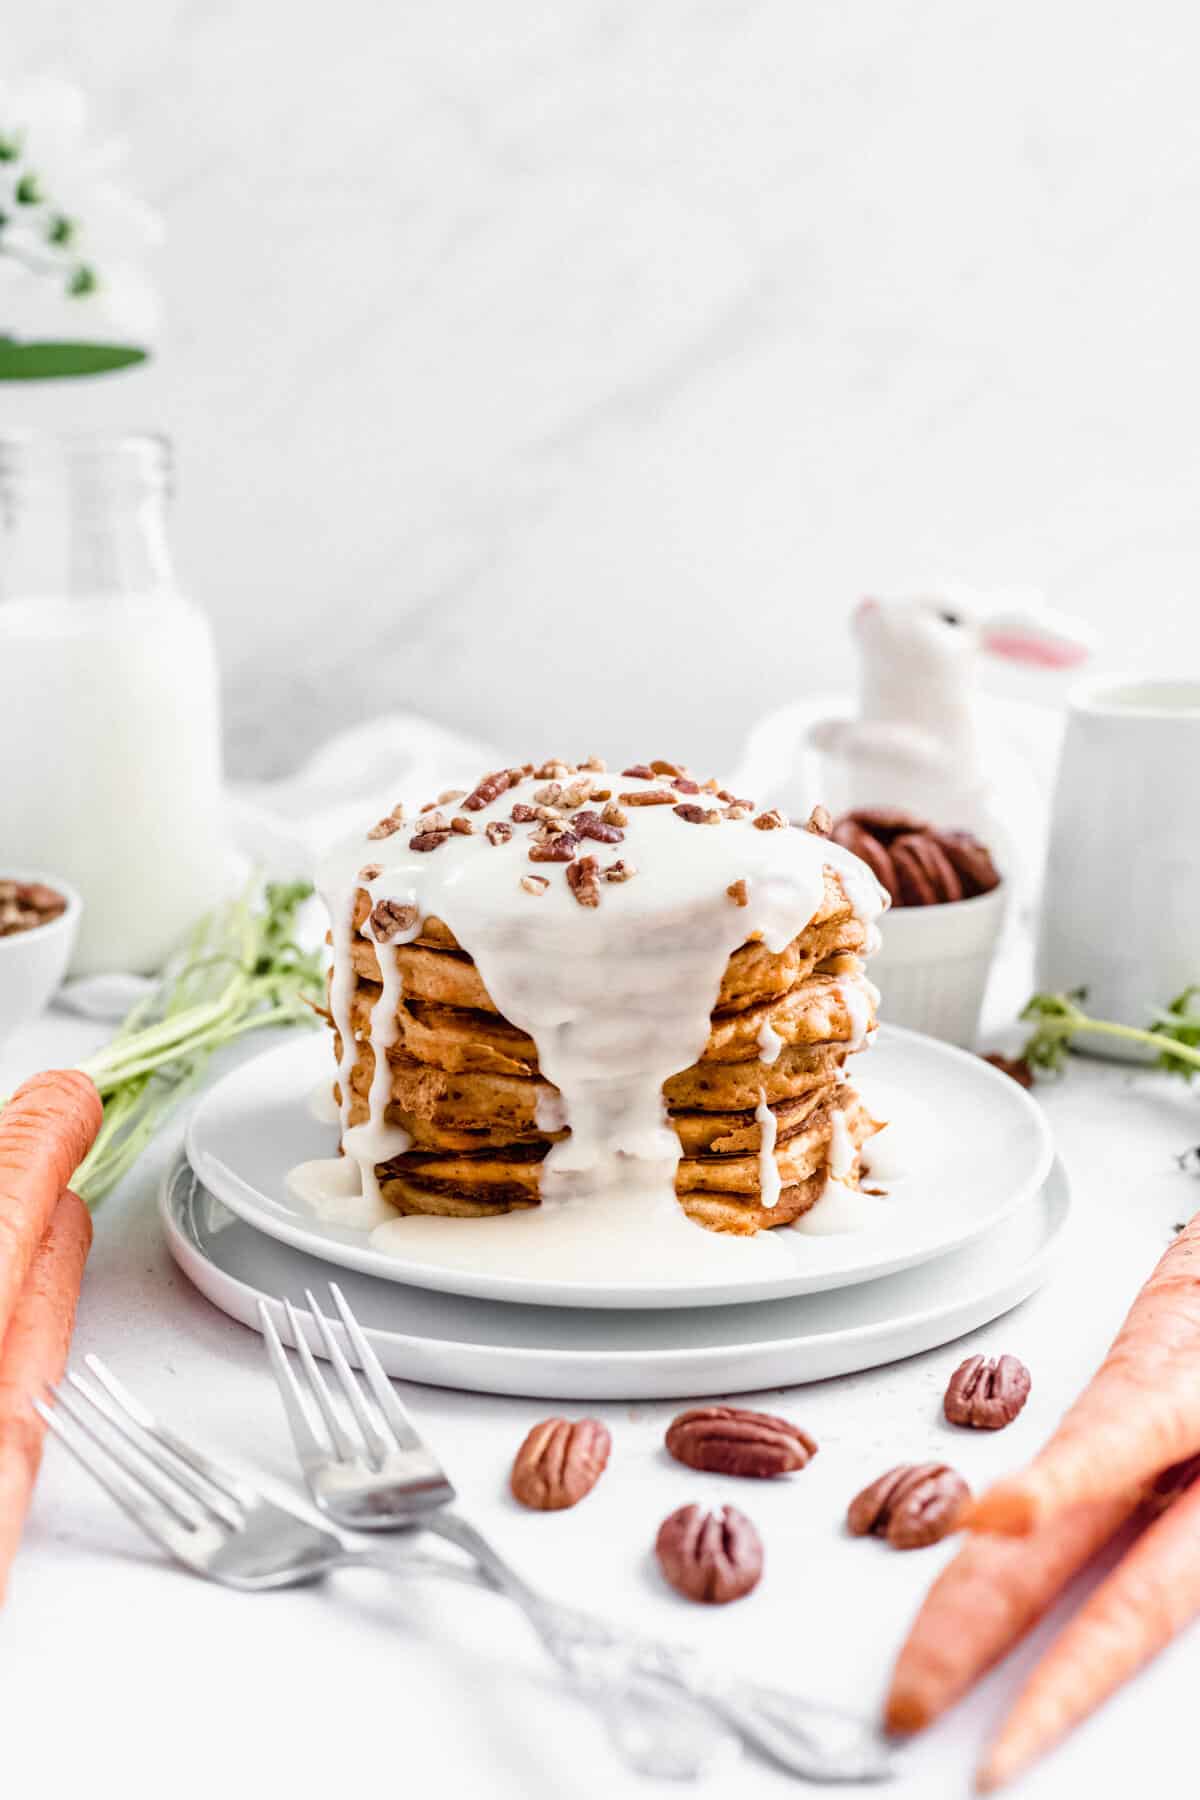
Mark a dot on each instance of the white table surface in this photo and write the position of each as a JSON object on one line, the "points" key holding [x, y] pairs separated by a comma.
{"points": [[113, 1662]]}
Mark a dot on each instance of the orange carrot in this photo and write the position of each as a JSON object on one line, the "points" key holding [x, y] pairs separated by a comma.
{"points": [[46, 1130], [983, 1603], [1153, 1592], [35, 1354], [1140, 1411]]}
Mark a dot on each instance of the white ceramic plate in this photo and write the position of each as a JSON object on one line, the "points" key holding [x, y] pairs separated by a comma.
{"points": [[571, 1354], [977, 1147]]}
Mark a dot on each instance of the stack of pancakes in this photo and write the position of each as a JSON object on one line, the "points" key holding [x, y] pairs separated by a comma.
{"points": [[466, 1086]]}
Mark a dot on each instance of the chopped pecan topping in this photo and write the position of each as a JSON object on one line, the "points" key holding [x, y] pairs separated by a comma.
{"points": [[642, 770], [596, 763], [710, 1557], [912, 1505], [390, 917], [613, 815], [731, 1440], [737, 812], [548, 795], [660, 766], [462, 825], [588, 824], [699, 815], [559, 848], [649, 797], [819, 822], [559, 1463], [432, 821], [522, 814], [384, 828], [498, 832], [428, 840], [550, 820], [582, 880], [398, 812], [773, 820], [683, 786], [491, 788], [619, 871], [601, 793], [368, 872], [986, 1394], [555, 770], [534, 884], [738, 892], [576, 794], [449, 795]]}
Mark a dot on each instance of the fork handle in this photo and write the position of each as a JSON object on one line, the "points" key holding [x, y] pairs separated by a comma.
{"points": [[818, 1742], [658, 1728]]}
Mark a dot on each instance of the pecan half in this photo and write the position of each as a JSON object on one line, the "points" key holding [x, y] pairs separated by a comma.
{"points": [[887, 822], [926, 875], [389, 917], [710, 1557], [491, 788], [559, 1463], [428, 840], [498, 832], [699, 815], [773, 820], [731, 1440], [589, 824], [970, 862], [560, 848], [582, 879], [986, 1394], [1015, 1067], [912, 1505], [649, 797], [739, 893], [869, 849]]}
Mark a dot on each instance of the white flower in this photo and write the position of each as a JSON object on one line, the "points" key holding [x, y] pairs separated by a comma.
{"points": [[73, 241]]}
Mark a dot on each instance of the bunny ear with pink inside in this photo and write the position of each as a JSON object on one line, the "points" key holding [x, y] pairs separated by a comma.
{"points": [[1037, 638]]}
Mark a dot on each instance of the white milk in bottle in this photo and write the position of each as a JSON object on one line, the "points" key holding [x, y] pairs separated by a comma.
{"points": [[109, 717]]}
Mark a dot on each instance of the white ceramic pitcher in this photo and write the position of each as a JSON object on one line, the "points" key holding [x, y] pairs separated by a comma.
{"points": [[1121, 902]]}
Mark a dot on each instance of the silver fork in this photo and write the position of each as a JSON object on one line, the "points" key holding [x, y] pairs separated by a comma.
{"points": [[212, 1520], [384, 1477], [218, 1524]]}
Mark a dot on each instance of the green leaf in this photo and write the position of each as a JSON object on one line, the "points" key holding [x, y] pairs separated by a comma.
{"points": [[51, 361]]}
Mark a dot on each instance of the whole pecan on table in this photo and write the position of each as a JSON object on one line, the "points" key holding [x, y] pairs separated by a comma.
{"points": [[911, 1506], [559, 1463], [986, 1394], [709, 1557], [731, 1440]]}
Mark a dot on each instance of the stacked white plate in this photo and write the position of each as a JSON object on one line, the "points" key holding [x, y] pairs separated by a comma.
{"points": [[967, 1231]]}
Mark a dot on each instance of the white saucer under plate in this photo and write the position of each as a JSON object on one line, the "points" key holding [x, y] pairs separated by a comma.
{"points": [[978, 1147], [564, 1353]]}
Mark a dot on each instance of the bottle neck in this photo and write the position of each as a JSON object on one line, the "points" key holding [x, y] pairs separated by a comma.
{"points": [[84, 518]]}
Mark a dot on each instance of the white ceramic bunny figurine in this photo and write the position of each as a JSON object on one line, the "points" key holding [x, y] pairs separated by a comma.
{"points": [[915, 741]]}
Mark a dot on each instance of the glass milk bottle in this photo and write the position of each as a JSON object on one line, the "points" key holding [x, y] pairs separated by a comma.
{"points": [[109, 717]]}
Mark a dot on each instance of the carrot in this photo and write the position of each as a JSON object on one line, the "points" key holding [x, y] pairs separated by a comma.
{"points": [[983, 1603], [1153, 1592], [1140, 1411], [35, 1354], [46, 1130]]}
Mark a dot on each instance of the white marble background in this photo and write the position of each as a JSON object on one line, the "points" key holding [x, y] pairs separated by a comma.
{"points": [[565, 370]]}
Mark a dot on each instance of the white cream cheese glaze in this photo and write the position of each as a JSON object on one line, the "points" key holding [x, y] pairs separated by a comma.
{"points": [[617, 997]]}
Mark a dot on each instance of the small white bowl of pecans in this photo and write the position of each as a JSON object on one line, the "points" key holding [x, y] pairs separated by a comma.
{"points": [[939, 936], [39, 920]]}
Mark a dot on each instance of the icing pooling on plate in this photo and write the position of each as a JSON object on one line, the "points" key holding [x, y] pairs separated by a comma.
{"points": [[617, 996]]}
